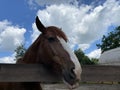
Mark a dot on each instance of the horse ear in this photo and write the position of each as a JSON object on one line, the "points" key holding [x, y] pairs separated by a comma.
{"points": [[39, 25]]}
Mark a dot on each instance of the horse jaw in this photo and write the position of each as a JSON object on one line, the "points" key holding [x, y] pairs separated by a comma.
{"points": [[74, 59]]}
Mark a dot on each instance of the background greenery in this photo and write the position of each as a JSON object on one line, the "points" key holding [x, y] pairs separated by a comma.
{"points": [[110, 41]]}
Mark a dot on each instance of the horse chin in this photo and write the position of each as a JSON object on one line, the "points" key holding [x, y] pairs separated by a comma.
{"points": [[71, 86]]}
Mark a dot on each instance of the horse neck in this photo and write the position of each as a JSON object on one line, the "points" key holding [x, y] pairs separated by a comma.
{"points": [[32, 52]]}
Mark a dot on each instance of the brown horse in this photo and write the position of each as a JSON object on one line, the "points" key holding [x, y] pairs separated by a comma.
{"points": [[51, 50]]}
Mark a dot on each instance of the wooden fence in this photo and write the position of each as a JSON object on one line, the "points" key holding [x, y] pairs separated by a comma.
{"points": [[37, 73]]}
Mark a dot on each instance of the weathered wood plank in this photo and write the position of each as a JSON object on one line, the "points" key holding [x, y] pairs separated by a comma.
{"points": [[26, 73], [37, 73], [96, 73]]}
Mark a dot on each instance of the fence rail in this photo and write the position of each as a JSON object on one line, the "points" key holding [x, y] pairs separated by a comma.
{"points": [[37, 73]]}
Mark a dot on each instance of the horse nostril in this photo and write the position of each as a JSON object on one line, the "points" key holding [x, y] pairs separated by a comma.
{"points": [[72, 73], [69, 75]]}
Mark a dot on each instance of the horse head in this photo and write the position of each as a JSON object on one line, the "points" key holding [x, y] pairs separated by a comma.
{"points": [[54, 51]]}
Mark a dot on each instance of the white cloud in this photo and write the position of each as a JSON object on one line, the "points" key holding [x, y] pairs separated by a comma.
{"points": [[83, 46], [8, 59], [66, 17], [49, 2], [35, 32], [84, 24], [10, 36], [94, 54]]}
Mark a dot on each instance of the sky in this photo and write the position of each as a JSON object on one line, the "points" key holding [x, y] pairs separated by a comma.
{"points": [[83, 21]]}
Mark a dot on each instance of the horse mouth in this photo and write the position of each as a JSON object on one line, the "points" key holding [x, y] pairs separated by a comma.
{"points": [[70, 80], [71, 86]]}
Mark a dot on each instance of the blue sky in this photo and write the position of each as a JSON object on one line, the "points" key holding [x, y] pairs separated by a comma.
{"points": [[84, 22], [19, 13]]}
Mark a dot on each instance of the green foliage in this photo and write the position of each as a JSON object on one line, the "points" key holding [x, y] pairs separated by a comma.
{"points": [[84, 60], [95, 60], [111, 41], [20, 51]]}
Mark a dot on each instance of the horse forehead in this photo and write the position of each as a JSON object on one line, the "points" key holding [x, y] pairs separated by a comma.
{"points": [[67, 48], [55, 31]]}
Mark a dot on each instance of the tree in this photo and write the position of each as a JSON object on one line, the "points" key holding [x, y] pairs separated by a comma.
{"points": [[111, 41], [94, 60], [83, 59], [20, 51]]}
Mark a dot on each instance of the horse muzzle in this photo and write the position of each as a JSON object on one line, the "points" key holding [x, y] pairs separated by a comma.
{"points": [[70, 79]]}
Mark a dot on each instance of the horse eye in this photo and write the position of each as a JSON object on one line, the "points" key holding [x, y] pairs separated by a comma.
{"points": [[51, 39]]}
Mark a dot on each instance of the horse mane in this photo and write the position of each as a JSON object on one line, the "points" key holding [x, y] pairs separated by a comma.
{"points": [[57, 32]]}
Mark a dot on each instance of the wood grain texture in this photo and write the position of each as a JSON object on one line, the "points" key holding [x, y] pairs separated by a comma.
{"points": [[37, 73], [96, 73], [26, 73]]}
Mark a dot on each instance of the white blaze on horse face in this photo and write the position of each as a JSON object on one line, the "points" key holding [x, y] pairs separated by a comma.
{"points": [[73, 57]]}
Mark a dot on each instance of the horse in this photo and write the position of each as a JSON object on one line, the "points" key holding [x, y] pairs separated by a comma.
{"points": [[52, 51]]}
